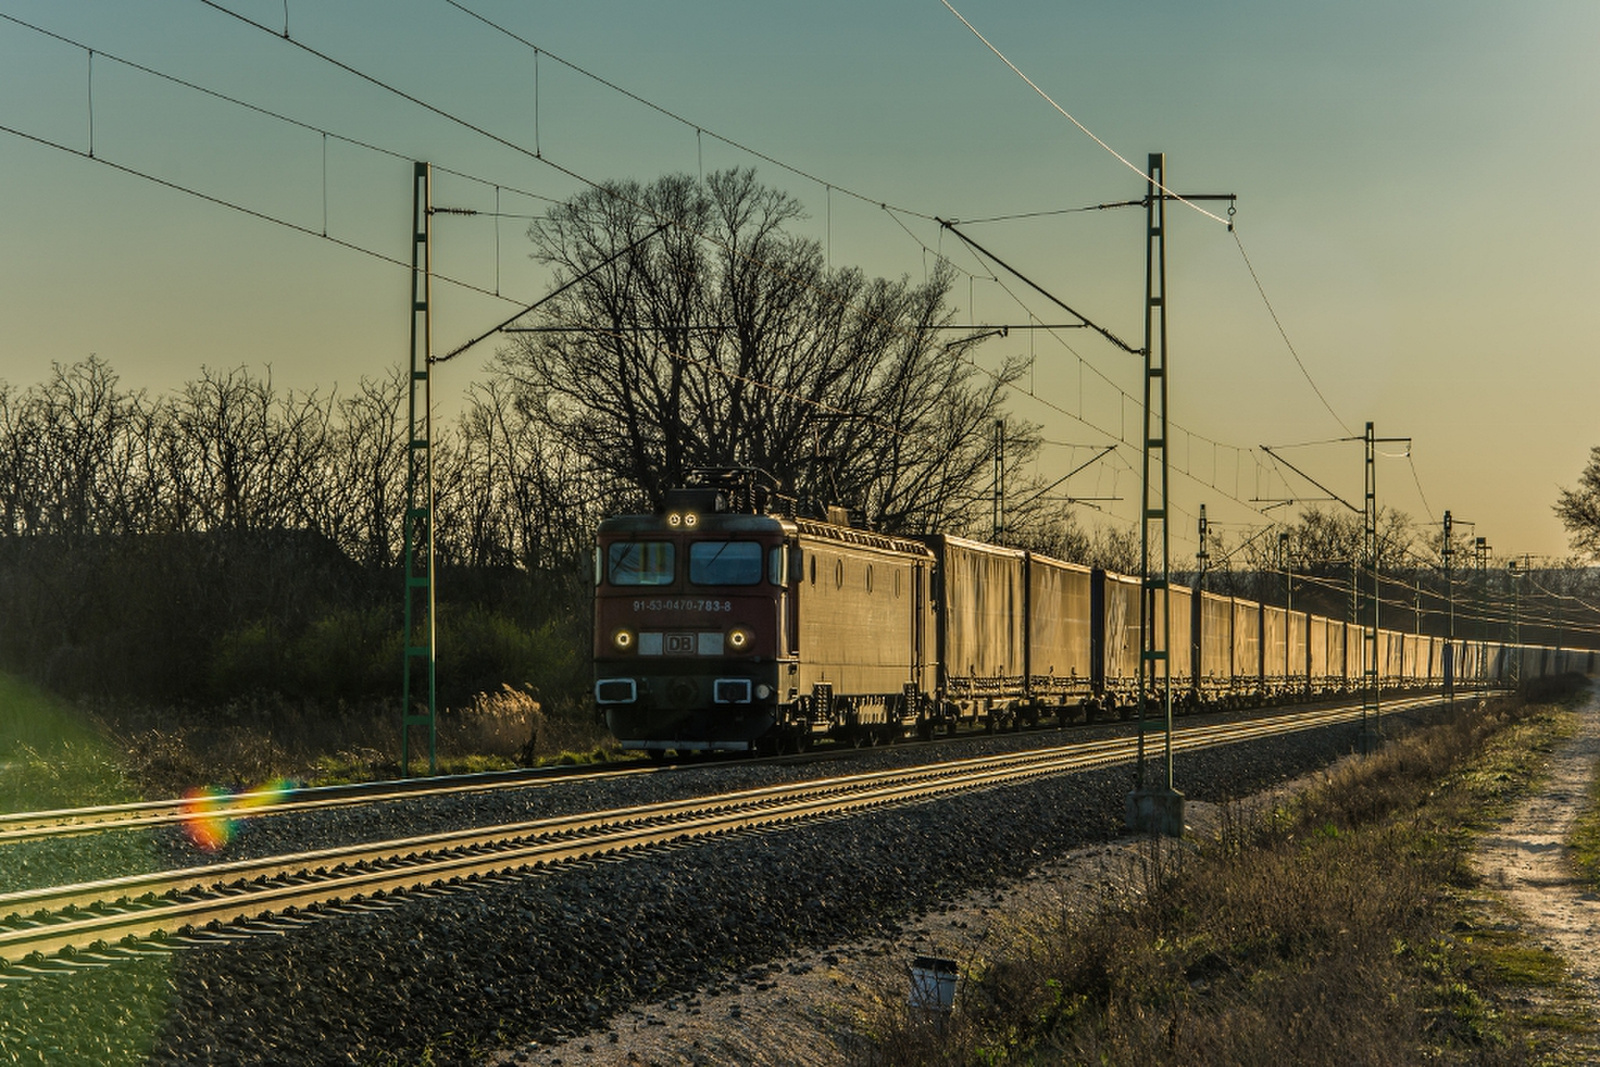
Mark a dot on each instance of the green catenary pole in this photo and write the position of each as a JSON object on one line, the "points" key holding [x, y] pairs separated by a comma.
{"points": [[419, 636]]}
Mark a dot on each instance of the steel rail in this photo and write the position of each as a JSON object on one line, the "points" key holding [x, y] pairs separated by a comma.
{"points": [[185, 878], [179, 879], [581, 837], [254, 902], [139, 814], [142, 814]]}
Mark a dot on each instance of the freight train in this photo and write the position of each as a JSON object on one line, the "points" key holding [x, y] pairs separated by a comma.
{"points": [[721, 626]]}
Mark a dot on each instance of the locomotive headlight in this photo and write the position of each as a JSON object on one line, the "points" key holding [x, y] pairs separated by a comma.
{"points": [[689, 518], [624, 640], [740, 639], [674, 519]]}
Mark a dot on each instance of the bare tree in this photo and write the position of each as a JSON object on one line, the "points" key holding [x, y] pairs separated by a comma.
{"points": [[1325, 537], [1115, 549], [366, 470], [74, 461], [722, 339], [239, 455], [1579, 509], [520, 495]]}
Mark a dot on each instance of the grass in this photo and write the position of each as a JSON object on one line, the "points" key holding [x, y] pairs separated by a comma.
{"points": [[268, 737], [1341, 928], [50, 758], [54, 755], [496, 732], [1585, 840], [104, 1018]]}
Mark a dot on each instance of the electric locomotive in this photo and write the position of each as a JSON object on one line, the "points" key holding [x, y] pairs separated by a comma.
{"points": [[719, 626], [690, 614]]}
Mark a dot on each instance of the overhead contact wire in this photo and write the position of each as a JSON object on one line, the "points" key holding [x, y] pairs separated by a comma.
{"points": [[242, 209], [668, 113], [1088, 132], [268, 112], [1285, 335], [309, 231], [1119, 436]]}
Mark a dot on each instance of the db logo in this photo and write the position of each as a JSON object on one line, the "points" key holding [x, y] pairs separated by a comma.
{"points": [[680, 644]]}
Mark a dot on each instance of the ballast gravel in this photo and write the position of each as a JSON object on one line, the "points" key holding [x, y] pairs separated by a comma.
{"points": [[447, 976]]}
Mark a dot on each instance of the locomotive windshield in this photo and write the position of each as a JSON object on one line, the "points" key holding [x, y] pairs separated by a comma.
{"points": [[641, 563], [725, 562]]}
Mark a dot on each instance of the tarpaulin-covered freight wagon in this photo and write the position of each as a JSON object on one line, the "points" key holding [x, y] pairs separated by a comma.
{"points": [[1275, 647], [980, 597], [1180, 647], [1216, 643], [1341, 665], [1060, 630], [1298, 638], [1391, 658], [1317, 653], [1246, 646], [1116, 603]]}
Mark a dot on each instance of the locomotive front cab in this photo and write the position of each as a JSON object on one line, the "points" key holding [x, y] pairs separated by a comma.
{"points": [[690, 620]]}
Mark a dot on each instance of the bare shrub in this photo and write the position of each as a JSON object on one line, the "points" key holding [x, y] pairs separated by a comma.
{"points": [[540, 734], [168, 762]]}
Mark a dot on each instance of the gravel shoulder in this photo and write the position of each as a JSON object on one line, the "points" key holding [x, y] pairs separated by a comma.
{"points": [[805, 1010], [808, 1010]]}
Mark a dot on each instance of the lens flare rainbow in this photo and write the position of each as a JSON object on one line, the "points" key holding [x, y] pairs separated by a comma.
{"points": [[212, 815]]}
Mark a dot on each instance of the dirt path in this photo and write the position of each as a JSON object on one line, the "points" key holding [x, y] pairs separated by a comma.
{"points": [[1528, 862]]}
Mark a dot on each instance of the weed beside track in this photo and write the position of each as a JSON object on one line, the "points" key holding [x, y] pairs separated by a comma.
{"points": [[168, 750], [1586, 839], [1340, 928]]}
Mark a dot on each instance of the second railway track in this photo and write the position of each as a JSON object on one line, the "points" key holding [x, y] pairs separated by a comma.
{"points": [[88, 917]]}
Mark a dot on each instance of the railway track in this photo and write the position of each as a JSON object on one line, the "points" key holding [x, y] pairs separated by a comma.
{"points": [[150, 814], [97, 923]]}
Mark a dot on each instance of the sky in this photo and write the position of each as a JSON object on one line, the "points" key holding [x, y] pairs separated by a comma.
{"points": [[1412, 183]]}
